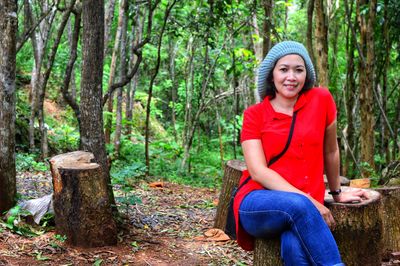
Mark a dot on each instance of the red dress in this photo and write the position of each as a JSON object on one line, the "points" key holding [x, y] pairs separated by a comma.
{"points": [[303, 163]]}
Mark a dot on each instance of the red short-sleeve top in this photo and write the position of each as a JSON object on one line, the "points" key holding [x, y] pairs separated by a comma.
{"points": [[303, 163]]}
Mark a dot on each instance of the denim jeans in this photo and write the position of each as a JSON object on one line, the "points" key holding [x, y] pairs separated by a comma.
{"points": [[305, 237]]}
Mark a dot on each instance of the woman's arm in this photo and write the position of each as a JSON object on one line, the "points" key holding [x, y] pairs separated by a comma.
{"points": [[268, 178], [331, 163]]}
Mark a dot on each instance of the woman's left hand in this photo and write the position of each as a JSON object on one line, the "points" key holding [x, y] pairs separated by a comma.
{"points": [[355, 195]]}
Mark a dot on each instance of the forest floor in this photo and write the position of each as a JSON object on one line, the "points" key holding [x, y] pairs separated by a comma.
{"points": [[167, 228]]}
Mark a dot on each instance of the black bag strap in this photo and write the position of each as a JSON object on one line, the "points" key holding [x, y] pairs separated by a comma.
{"points": [[277, 157]]}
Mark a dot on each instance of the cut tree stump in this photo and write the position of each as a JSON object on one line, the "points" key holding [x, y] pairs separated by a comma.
{"points": [[358, 233], [233, 172], [81, 203], [391, 220]]}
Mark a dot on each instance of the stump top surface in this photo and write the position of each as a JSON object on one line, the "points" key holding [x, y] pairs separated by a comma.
{"points": [[373, 196], [73, 157], [79, 166], [237, 164]]}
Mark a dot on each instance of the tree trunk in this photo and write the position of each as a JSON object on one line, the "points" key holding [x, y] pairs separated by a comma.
{"points": [[350, 93], [81, 203], [113, 70], [173, 49], [310, 14], [109, 17], [268, 6], [148, 105], [391, 221], [233, 172], [118, 123], [137, 30], [321, 36], [92, 134], [366, 76], [8, 41]]}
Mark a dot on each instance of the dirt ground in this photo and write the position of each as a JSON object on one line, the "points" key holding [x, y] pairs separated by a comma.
{"points": [[166, 228]]}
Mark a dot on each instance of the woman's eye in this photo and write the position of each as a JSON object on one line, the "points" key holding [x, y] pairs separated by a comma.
{"points": [[299, 70], [283, 69]]}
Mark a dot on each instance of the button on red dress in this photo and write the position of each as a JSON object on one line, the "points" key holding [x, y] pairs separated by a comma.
{"points": [[303, 163]]}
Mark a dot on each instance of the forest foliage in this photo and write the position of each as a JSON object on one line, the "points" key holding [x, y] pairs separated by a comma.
{"points": [[196, 74]]}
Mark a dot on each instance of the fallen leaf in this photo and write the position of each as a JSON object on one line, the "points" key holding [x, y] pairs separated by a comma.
{"points": [[215, 234], [157, 184], [215, 202]]}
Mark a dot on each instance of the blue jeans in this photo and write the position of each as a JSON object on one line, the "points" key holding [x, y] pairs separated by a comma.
{"points": [[305, 237]]}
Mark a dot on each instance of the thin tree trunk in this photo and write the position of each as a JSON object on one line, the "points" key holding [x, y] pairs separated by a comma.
{"points": [[113, 70], [321, 36], [137, 29], [310, 14], [173, 48], [8, 42], [109, 17], [268, 6], [350, 91], [367, 22], [148, 109], [118, 124]]}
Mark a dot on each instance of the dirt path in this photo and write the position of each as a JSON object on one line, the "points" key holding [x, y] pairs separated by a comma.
{"points": [[166, 228]]}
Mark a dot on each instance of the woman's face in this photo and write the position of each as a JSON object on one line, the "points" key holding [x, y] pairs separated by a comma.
{"points": [[289, 76]]}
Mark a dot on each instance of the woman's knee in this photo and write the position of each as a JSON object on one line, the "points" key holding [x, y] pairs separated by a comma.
{"points": [[300, 204]]}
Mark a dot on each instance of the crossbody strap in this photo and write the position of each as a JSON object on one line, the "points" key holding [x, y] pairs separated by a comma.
{"points": [[277, 157]]}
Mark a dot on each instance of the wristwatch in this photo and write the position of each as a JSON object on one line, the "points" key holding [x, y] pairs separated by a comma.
{"points": [[335, 192]]}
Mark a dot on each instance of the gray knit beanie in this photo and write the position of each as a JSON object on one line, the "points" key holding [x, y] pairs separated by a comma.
{"points": [[278, 51]]}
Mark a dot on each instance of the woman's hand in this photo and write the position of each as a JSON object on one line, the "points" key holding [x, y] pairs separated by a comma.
{"points": [[354, 195], [325, 213]]}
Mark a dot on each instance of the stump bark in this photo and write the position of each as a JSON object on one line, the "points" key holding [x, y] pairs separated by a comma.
{"points": [[232, 173], [391, 220], [358, 231], [81, 203], [267, 252]]}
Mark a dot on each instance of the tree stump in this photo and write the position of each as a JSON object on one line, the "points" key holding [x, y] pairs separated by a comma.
{"points": [[81, 203], [391, 220], [358, 231], [233, 172], [267, 252]]}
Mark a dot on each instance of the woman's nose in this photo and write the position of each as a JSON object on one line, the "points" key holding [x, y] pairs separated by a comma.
{"points": [[291, 75]]}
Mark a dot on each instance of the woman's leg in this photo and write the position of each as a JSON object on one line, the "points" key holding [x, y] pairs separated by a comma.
{"points": [[266, 213], [292, 252]]}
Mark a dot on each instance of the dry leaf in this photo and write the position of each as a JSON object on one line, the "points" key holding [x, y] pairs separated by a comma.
{"points": [[157, 184], [215, 202], [215, 234]]}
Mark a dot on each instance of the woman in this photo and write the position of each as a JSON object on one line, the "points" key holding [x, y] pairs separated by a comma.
{"points": [[286, 199]]}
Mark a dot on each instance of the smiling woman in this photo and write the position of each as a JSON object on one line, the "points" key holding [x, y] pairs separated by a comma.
{"points": [[286, 199]]}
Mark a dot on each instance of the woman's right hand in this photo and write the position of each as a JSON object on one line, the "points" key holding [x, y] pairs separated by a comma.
{"points": [[325, 213]]}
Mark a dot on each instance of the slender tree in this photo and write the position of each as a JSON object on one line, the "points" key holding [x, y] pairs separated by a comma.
{"points": [[366, 76], [321, 36]]}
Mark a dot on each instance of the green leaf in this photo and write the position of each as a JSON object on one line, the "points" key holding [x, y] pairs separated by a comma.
{"points": [[98, 262]]}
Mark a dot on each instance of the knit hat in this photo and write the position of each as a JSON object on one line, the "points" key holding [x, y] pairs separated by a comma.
{"points": [[278, 51]]}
